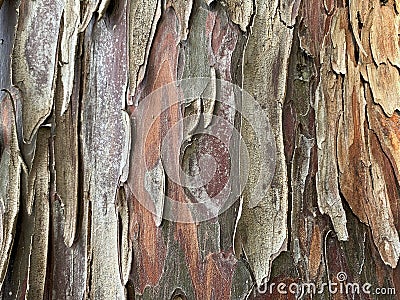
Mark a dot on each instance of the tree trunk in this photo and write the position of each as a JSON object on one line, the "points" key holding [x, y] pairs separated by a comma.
{"points": [[190, 149]]}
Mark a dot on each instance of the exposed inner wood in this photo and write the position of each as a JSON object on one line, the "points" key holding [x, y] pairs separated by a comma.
{"points": [[126, 126]]}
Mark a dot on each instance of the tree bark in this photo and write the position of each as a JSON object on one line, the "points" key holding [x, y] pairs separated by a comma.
{"points": [[190, 149]]}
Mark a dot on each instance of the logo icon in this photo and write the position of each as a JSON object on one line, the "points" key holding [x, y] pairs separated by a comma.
{"points": [[197, 144]]}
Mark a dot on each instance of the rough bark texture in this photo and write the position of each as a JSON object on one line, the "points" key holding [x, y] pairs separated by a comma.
{"points": [[98, 113]]}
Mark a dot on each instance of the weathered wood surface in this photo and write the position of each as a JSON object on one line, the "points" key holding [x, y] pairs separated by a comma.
{"points": [[89, 191]]}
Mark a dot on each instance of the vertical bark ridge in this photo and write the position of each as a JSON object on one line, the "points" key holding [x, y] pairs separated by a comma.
{"points": [[88, 200]]}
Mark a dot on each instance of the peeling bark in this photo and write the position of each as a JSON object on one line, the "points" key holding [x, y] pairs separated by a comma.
{"points": [[264, 76], [10, 167], [240, 12], [34, 60], [102, 105], [38, 184], [143, 19], [108, 138]]}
